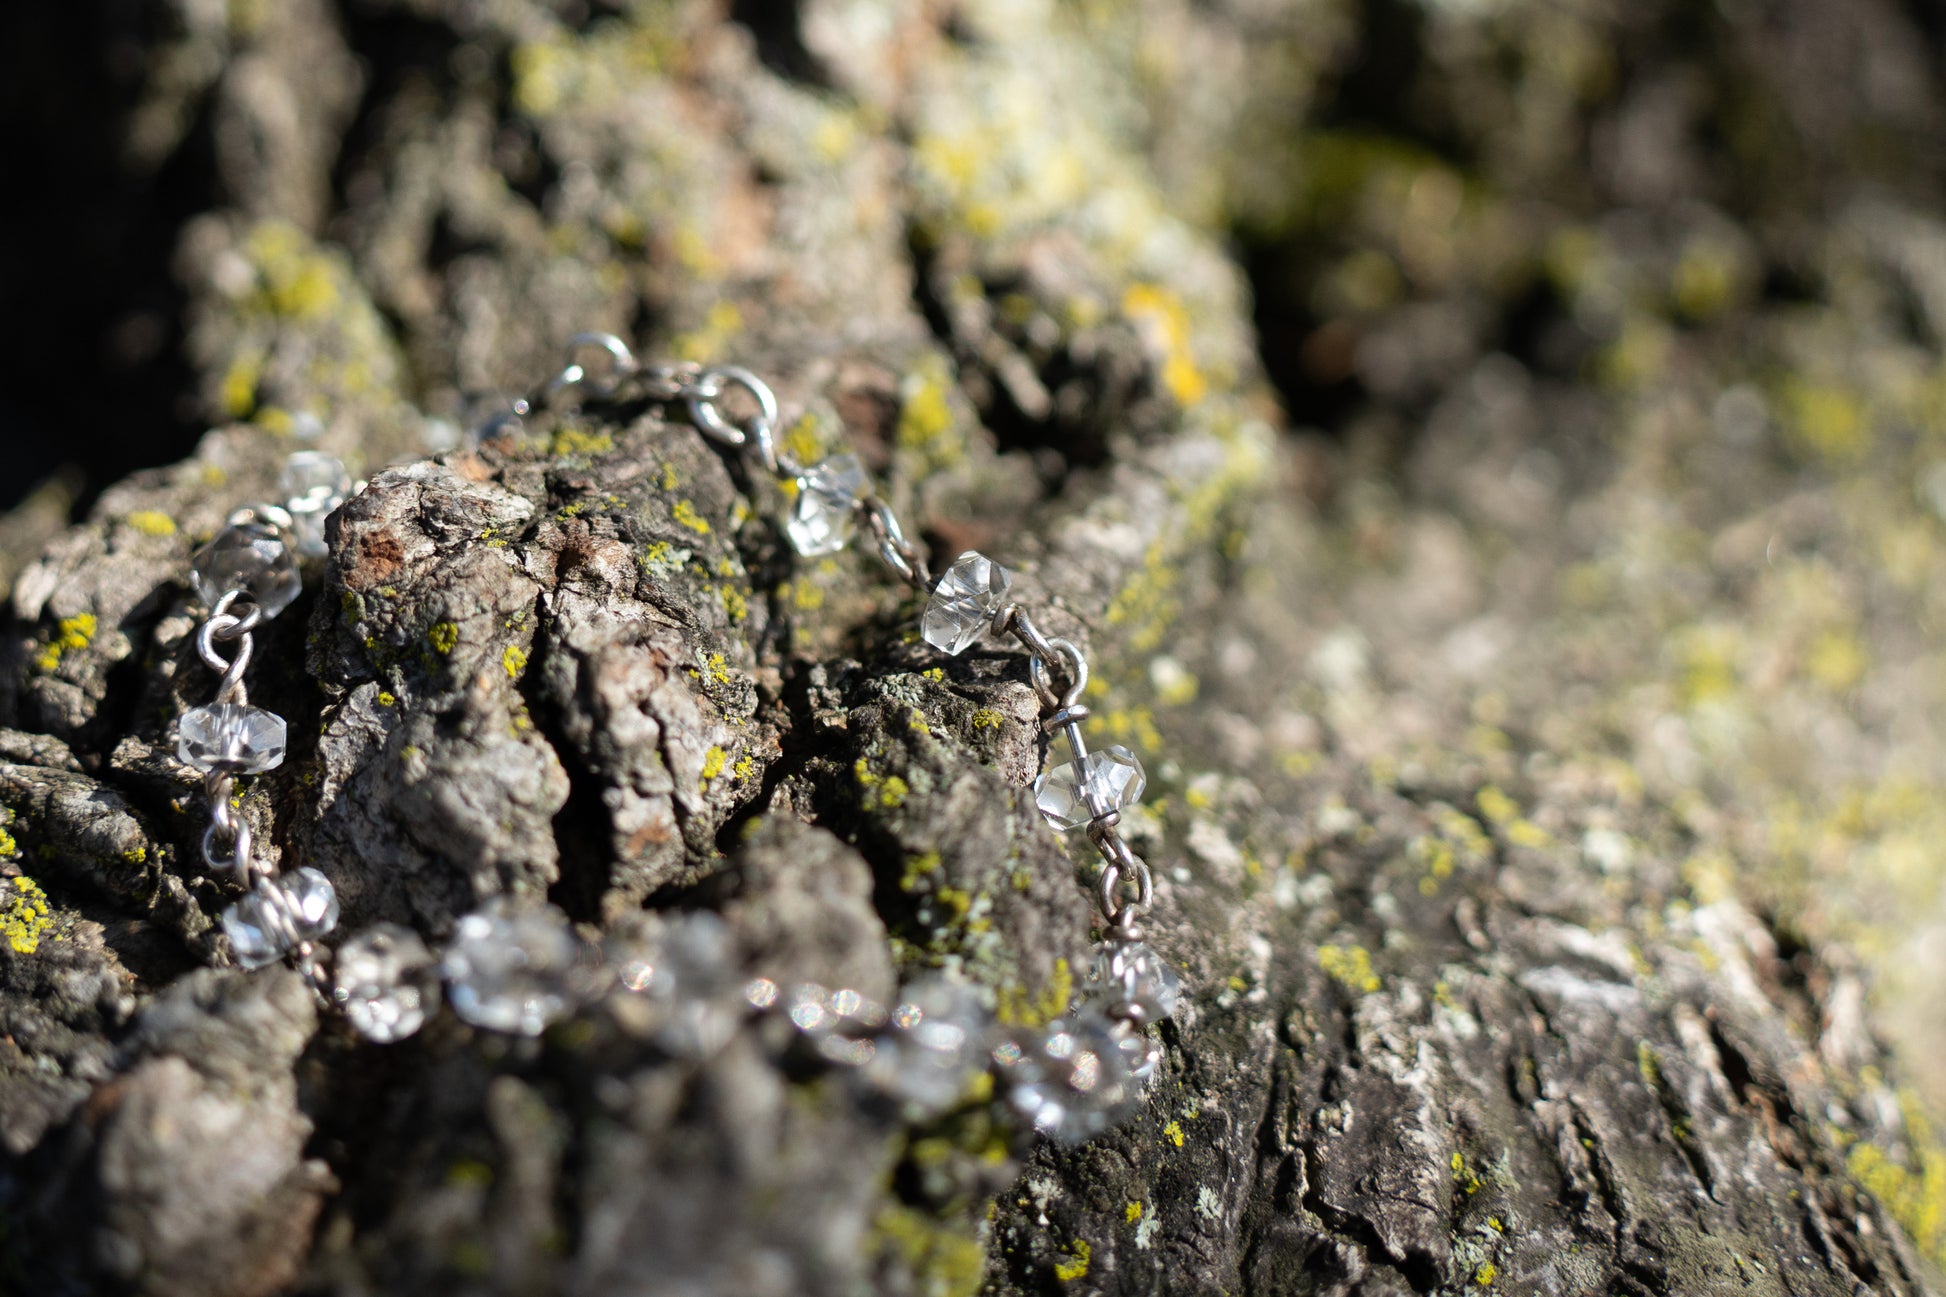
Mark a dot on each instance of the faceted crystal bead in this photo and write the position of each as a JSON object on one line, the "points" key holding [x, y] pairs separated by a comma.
{"points": [[839, 1022], [937, 1043], [487, 417], [700, 985], [231, 737], [510, 968], [1070, 798], [824, 514], [1131, 973], [386, 982], [278, 915], [818, 1010], [1081, 1076], [252, 557], [313, 484], [962, 606]]}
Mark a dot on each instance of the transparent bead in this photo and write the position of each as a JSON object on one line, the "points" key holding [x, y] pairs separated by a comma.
{"points": [[510, 968], [1080, 1076], [253, 557], [962, 606], [1131, 973], [1069, 798], [816, 1009], [231, 737], [489, 416], [825, 512], [700, 985], [937, 1043], [280, 914], [313, 484], [386, 981], [838, 1022]]}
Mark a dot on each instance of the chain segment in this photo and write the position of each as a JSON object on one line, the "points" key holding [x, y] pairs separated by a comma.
{"points": [[1057, 668]]}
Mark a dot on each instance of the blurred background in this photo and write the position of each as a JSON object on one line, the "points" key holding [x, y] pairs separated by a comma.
{"points": [[1606, 333]]}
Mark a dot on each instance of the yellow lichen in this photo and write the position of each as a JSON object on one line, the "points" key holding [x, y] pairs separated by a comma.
{"points": [[1829, 422], [72, 633], [513, 660], [944, 1263], [1076, 1266], [1351, 966], [1497, 806], [723, 322], [573, 441], [987, 719], [237, 392], [152, 522], [684, 515], [1173, 1133], [1132, 1213], [1160, 317], [1015, 1006], [1912, 1189], [713, 762], [443, 636], [24, 917]]}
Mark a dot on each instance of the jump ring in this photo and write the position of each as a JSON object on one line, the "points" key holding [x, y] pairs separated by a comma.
{"points": [[712, 383], [1077, 670]]}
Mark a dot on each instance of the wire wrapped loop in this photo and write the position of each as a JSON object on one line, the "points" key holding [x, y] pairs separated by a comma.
{"points": [[1075, 667], [709, 388], [237, 857], [224, 625], [602, 383], [897, 553]]}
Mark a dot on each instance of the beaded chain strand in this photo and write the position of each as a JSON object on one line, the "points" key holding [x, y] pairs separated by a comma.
{"points": [[516, 967]]}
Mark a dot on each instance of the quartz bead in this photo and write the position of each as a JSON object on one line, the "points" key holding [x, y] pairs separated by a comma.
{"points": [[1080, 1076], [825, 512], [490, 416], [961, 610], [839, 1022], [1131, 973], [280, 914], [253, 557], [702, 986], [1074, 793], [314, 484], [231, 737], [386, 981], [510, 968], [937, 1043], [688, 992]]}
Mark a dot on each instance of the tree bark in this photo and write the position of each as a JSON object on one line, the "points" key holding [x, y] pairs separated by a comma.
{"points": [[1472, 1005]]}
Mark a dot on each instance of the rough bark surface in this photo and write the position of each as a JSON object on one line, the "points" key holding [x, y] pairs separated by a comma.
{"points": [[1604, 320]]}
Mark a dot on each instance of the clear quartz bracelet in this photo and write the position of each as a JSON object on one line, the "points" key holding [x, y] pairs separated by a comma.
{"points": [[515, 967]]}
